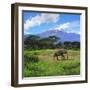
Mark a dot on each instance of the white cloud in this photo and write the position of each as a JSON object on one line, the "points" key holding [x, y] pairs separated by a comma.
{"points": [[26, 32], [39, 19], [63, 26], [76, 32], [69, 27]]}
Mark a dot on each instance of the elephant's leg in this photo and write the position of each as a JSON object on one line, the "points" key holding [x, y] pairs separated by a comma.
{"points": [[63, 57], [57, 57], [67, 56]]}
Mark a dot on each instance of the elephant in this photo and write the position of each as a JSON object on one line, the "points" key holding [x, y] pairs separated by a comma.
{"points": [[60, 52]]}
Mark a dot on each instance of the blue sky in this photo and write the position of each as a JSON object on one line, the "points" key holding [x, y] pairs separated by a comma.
{"points": [[37, 22]]}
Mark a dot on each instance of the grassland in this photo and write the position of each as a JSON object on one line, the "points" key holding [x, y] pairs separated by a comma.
{"points": [[46, 65]]}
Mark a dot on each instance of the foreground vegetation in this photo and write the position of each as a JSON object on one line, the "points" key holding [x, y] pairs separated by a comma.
{"points": [[41, 63]]}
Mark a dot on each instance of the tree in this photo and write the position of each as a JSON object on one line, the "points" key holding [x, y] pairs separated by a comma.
{"points": [[50, 41], [31, 42], [76, 45], [59, 45], [53, 39], [35, 42], [67, 44]]}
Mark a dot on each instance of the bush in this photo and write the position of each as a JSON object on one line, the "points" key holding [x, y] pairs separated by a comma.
{"points": [[31, 58], [34, 58]]}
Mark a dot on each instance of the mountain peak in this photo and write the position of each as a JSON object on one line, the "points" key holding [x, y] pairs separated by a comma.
{"points": [[64, 36]]}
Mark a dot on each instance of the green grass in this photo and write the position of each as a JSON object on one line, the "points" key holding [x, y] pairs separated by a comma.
{"points": [[46, 65]]}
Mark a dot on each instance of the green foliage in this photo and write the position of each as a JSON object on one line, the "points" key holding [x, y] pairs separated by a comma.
{"points": [[72, 45], [41, 63], [31, 58], [34, 42], [44, 68], [31, 42], [76, 45]]}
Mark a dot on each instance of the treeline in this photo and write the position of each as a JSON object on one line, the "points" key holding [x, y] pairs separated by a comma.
{"points": [[33, 42]]}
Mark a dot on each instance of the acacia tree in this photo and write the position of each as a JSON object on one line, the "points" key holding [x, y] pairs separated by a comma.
{"points": [[35, 42], [76, 45], [72, 45], [31, 42], [67, 44], [48, 42]]}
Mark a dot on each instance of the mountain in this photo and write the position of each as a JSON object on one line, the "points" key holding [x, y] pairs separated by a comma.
{"points": [[63, 36]]}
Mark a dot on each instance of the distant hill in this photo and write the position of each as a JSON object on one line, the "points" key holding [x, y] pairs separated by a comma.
{"points": [[63, 36]]}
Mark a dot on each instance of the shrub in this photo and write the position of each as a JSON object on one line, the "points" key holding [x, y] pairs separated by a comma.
{"points": [[31, 58], [34, 58]]}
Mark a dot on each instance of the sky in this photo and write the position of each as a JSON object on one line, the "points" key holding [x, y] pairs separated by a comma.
{"points": [[38, 22]]}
